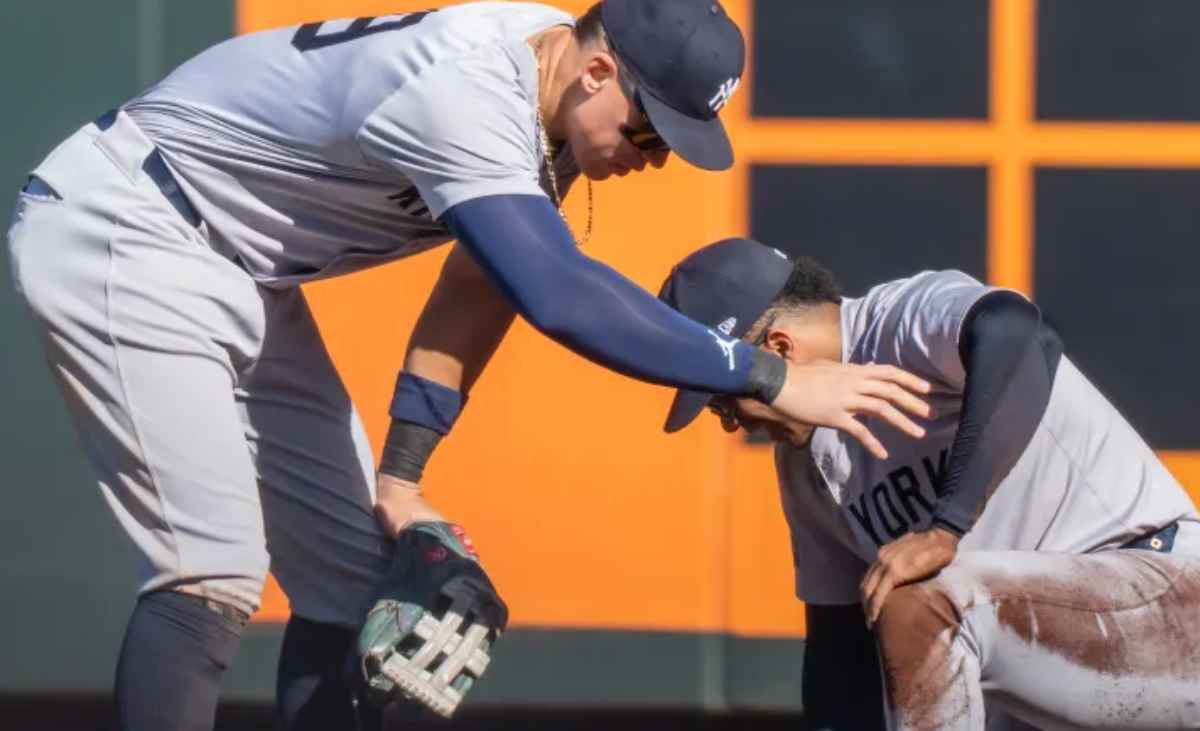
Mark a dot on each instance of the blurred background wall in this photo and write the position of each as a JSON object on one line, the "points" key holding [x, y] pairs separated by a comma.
{"points": [[1048, 145]]}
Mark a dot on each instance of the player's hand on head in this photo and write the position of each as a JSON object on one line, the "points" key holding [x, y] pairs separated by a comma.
{"points": [[910, 558], [825, 393]]}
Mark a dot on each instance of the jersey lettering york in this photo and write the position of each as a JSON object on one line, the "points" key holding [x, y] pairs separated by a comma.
{"points": [[901, 503]]}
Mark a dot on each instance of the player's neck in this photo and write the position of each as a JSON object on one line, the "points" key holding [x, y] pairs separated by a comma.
{"points": [[556, 55], [830, 316]]}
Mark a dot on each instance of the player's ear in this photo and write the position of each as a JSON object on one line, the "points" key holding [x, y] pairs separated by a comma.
{"points": [[780, 343], [599, 69]]}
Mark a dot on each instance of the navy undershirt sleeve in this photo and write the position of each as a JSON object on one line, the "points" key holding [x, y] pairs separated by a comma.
{"points": [[529, 253], [1010, 357]]}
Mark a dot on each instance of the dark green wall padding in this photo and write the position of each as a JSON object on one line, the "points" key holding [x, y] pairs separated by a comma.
{"points": [[66, 585], [582, 669]]}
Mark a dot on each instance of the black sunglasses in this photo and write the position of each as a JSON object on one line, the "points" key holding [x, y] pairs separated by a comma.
{"points": [[644, 137]]}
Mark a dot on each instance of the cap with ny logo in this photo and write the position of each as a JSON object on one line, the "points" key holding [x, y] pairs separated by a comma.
{"points": [[688, 57]]}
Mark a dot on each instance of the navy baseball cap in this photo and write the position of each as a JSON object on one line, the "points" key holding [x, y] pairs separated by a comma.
{"points": [[727, 286], [687, 57]]}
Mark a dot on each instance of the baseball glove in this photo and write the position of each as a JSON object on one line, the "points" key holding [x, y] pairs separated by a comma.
{"points": [[428, 636]]}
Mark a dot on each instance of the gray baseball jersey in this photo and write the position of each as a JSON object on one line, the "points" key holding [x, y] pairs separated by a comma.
{"points": [[321, 149], [1086, 481], [218, 427]]}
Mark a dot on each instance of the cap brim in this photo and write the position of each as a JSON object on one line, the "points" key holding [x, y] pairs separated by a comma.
{"points": [[685, 408], [700, 142]]}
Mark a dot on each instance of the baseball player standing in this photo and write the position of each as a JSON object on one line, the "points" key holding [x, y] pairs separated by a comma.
{"points": [[1030, 563], [160, 250]]}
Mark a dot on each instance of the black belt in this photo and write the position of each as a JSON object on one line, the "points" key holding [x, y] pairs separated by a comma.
{"points": [[1161, 540]]}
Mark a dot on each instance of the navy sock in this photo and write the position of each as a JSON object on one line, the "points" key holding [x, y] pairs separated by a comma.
{"points": [[313, 691], [174, 653]]}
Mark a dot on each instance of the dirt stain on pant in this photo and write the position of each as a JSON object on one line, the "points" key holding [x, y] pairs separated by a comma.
{"points": [[1137, 618], [1121, 614]]}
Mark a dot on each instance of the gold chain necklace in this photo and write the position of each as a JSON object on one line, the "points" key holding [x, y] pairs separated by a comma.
{"points": [[549, 158]]}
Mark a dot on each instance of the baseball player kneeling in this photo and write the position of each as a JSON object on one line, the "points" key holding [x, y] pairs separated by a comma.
{"points": [[1029, 563]]}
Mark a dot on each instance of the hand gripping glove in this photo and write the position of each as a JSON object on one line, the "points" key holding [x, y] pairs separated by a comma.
{"points": [[429, 634]]}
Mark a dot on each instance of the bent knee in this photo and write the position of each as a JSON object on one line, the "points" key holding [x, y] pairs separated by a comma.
{"points": [[916, 616], [916, 632]]}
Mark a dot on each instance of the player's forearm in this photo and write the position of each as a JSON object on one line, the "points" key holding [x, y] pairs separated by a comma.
{"points": [[458, 332], [461, 326], [1010, 357], [593, 310]]}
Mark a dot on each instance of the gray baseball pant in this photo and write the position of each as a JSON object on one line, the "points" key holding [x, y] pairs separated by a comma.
{"points": [[221, 435], [1025, 639]]}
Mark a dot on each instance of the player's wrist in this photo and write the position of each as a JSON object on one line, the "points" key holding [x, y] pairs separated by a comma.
{"points": [[407, 449], [946, 529], [768, 373], [400, 503], [399, 485]]}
